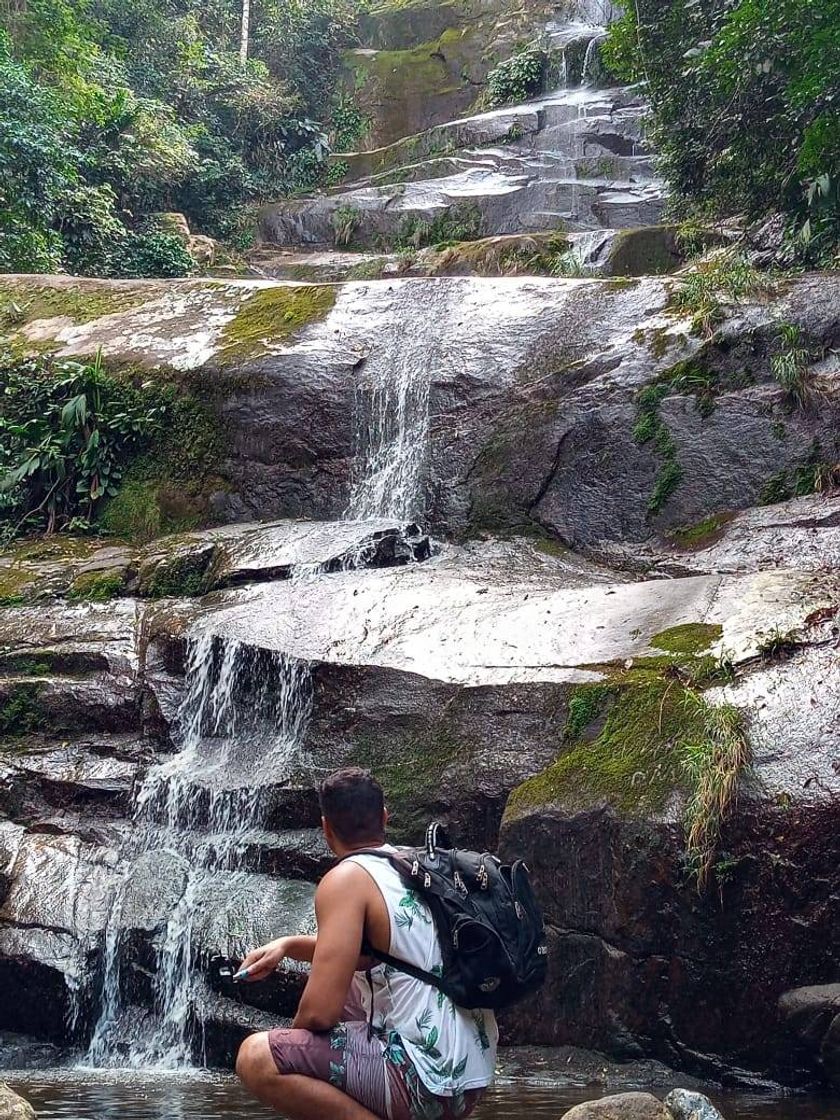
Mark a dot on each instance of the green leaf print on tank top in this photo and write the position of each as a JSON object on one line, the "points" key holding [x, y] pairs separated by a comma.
{"points": [[410, 910]]}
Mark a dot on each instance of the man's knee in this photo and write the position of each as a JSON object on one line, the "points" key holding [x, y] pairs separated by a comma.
{"points": [[254, 1061]]}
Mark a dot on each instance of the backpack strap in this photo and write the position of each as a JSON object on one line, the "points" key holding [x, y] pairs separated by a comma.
{"points": [[368, 950]]}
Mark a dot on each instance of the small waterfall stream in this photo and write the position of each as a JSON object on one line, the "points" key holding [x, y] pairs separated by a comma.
{"points": [[240, 727]]}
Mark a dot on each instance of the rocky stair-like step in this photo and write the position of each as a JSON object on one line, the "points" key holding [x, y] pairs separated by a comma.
{"points": [[574, 160]]}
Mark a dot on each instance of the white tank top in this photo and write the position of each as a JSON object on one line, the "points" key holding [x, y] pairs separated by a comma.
{"points": [[451, 1048]]}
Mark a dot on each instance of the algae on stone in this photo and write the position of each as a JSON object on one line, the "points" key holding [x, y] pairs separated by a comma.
{"points": [[274, 314]]}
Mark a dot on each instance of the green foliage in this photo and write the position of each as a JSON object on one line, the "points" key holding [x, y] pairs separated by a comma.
{"points": [[703, 292], [461, 222], [111, 112], [745, 112], [813, 474], [651, 428], [20, 712], [66, 434], [789, 365], [344, 222], [516, 79]]}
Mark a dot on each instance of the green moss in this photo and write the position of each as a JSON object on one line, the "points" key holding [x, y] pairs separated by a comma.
{"points": [[16, 584], [586, 704], [703, 533], [167, 489], [691, 637], [272, 315], [21, 712], [182, 576], [22, 302], [634, 763], [96, 587], [410, 770]]}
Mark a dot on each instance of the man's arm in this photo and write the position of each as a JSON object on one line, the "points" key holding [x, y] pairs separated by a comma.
{"points": [[340, 906]]}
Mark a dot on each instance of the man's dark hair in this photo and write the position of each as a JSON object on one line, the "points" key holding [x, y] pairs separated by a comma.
{"points": [[353, 803]]}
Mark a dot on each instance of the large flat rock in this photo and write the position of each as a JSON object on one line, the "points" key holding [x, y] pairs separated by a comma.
{"points": [[488, 628]]}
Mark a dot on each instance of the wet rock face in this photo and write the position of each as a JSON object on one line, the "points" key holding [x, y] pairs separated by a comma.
{"points": [[527, 395], [811, 1019]]}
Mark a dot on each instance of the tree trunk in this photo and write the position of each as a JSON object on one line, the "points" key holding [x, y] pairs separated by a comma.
{"points": [[246, 30]]}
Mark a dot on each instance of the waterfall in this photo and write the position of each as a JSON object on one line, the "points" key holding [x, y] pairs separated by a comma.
{"points": [[240, 726], [392, 435]]}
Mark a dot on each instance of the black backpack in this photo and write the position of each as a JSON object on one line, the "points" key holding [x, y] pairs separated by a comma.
{"points": [[487, 919]]}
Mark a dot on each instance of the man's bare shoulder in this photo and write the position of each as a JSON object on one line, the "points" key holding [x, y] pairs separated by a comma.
{"points": [[345, 877]]}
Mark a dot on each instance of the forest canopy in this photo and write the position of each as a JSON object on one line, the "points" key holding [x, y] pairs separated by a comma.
{"points": [[111, 112]]}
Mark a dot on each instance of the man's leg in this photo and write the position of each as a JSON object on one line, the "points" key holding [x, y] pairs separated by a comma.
{"points": [[297, 1096]]}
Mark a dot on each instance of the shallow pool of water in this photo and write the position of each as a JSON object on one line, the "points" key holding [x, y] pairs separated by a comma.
{"points": [[128, 1095]]}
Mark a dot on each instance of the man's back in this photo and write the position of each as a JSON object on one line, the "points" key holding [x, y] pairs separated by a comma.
{"points": [[452, 1049]]}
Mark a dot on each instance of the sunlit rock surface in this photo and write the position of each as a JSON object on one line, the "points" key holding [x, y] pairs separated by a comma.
{"points": [[531, 388]]}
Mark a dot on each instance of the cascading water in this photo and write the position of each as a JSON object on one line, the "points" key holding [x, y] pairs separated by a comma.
{"points": [[391, 444], [241, 726]]}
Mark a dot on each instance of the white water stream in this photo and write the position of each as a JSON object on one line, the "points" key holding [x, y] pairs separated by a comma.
{"points": [[240, 727]]}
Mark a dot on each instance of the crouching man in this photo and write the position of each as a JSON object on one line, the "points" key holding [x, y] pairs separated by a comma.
{"points": [[367, 1041]]}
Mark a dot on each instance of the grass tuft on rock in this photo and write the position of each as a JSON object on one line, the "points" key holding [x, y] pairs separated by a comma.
{"points": [[645, 740], [714, 759]]}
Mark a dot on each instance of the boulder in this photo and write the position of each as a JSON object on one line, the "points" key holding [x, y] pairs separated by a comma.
{"points": [[685, 1104], [14, 1107], [811, 1016], [622, 1106]]}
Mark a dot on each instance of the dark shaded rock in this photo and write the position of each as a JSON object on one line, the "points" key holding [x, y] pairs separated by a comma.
{"points": [[570, 1066], [623, 1106], [811, 1016], [19, 1052], [640, 963]]}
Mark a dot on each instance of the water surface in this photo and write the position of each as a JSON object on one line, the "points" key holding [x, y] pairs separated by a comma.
{"points": [[138, 1095]]}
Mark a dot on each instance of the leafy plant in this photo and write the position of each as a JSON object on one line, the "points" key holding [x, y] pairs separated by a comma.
{"points": [[516, 79], [789, 365], [345, 222], [461, 222], [66, 434], [704, 291]]}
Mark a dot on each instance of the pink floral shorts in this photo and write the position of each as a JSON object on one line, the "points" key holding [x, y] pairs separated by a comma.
{"points": [[373, 1070]]}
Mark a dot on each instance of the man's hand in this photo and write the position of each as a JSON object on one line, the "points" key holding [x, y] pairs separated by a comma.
{"points": [[263, 961]]}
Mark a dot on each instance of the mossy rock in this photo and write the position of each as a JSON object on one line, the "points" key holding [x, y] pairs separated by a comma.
{"points": [[17, 585], [632, 740], [689, 638], [702, 534], [182, 575], [25, 301], [410, 769], [271, 315], [97, 587], [648, 251]]}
